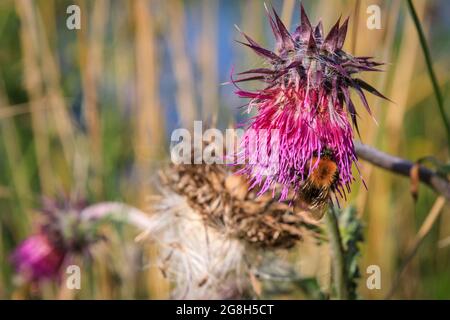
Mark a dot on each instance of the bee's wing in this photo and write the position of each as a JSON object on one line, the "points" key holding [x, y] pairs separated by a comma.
{"points": [[311, 214], [317, 213]]}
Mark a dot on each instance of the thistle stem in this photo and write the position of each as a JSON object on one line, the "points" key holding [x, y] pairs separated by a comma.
{"points": [[337, 254], [403, 167], [429, 65], [121, 212]]}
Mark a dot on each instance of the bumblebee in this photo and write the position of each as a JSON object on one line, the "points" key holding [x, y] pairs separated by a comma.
{"points": [[315, 191]]}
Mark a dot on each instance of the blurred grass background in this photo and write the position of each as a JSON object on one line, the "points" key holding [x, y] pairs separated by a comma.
{"points": [[90, 111]]}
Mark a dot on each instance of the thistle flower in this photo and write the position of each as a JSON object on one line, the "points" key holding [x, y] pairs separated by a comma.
{"points": [[306, 98], [42, 255], [38, 258]]}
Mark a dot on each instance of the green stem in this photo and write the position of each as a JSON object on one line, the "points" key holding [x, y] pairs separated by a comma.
{"points": [[337, 254], [433, 78]]}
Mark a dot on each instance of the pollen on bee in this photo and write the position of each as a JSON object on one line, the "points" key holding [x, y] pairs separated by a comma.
{"points": [[325, 172]]}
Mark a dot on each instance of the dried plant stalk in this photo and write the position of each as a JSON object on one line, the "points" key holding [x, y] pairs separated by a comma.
{"points": [[34, 86], [91, 57], [149, 128], [183, 70]]}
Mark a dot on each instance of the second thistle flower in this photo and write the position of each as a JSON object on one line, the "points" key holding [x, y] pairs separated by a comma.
{"points": [[60, 235]]}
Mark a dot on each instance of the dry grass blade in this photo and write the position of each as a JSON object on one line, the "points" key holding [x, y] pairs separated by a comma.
{"points": [[372, 134], [54, 94], [34, 87], [426, 52], [287, 11], [149, 120], [14, 157], [355, 25], [208, 61], [431, 218], [91, 58], [444, 243], [182, 66]]}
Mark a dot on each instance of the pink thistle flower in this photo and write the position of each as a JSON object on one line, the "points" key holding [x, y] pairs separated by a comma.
{"points": [[42, 255], [306, 99], [37, 258]]}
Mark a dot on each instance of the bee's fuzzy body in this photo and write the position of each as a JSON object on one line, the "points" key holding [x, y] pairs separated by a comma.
{"points": [[315, 191]]}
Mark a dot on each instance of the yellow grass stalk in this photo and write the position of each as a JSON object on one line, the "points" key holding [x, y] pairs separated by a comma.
{"points": [[34, 86], [404, 72], [286, 13], [208, 60], [13, 153], [52, 79], [373, 131], [91, 64], [383, 207], [149, 120], [185, 93]]}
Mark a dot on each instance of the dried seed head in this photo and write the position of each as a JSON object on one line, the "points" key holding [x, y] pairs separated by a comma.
{"points": [[224, 202], [214, 232]]}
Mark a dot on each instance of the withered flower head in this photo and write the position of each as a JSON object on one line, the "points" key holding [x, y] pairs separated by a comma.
{"points": [[223, 201], [213, 231], [306, 97]]}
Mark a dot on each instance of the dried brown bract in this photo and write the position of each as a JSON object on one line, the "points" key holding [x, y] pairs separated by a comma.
{"points": [[224, 202]]}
